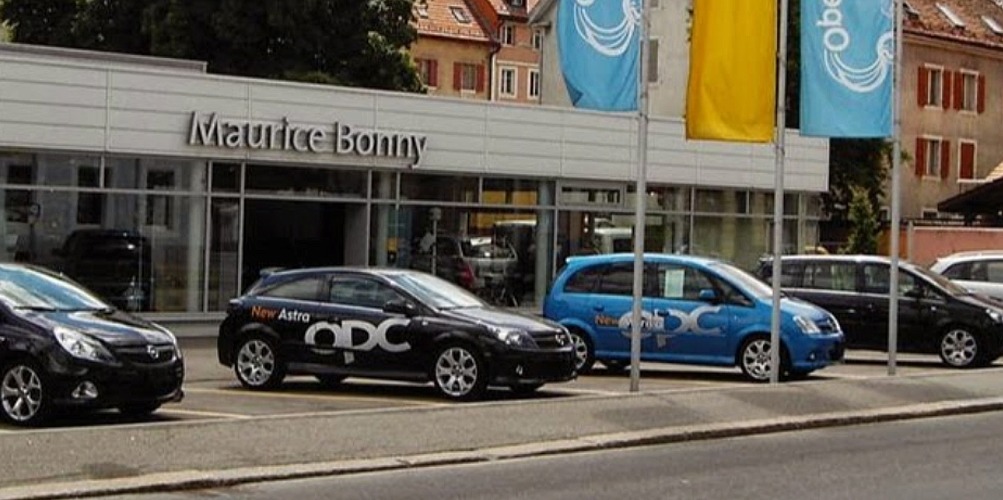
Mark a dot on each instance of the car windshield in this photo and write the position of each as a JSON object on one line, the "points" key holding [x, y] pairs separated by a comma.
{"points": [[435, 291], [948, 285], [747, 282], [34, 289]]}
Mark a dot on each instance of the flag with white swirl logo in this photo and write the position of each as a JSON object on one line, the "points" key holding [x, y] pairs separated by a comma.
{"points": [[599, 50], [847, 65]]}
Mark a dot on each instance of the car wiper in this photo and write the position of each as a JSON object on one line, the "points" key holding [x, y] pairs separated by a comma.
{"points": [[36, 308]]}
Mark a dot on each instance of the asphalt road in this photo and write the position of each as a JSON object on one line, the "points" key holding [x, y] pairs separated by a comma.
{"points": [[951, 457], [212, 392]]}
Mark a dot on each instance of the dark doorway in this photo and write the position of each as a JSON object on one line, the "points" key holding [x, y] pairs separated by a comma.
{"points": [[291, 234]]}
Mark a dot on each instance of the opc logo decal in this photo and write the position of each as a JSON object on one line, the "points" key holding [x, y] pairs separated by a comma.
{"points": [[836, 40], [688, 322], [611, 41], [376, 336]]}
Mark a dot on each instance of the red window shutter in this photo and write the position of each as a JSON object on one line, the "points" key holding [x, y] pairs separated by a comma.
{"points": [[922, 86], [959, 90], [945, 159], [920, 165], [967, 170], [946, 87], [982, 94], [433, 73], [480, 78], [457, 75]]}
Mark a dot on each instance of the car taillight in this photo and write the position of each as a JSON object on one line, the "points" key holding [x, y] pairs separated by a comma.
{"points": [[464, 274]]}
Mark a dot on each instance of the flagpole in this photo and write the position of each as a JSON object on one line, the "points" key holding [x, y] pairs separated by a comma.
{"points": [[893, 278], [778, 192], [640, 200]]}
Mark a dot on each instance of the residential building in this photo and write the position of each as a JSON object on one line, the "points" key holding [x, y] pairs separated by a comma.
{"points": [[453, 51], [952, 101], [515, 67]]}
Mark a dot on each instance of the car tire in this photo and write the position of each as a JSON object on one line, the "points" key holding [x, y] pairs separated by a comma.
{"points": [[525, 389], [24, 393], [960, 347], [585, 351], [459, 372], [137, 410], [330, 381], [258, 364], [754, 359]]}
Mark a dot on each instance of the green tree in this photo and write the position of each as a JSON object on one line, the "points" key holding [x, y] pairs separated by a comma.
{"points": [[346, 42], [44, 22], [865, 228]]}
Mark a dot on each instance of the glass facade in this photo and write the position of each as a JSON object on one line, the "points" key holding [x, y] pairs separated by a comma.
{"points": [[184, 236]]}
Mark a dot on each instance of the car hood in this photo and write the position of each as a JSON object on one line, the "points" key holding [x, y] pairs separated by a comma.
{"points": [[799, 307], [490, 316], [115, 328]]}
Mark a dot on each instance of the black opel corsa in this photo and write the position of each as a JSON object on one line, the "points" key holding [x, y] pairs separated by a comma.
{"points": [[62, 347], [334, 323]]}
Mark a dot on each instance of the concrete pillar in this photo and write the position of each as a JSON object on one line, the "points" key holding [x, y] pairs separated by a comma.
{"points": [[544, 240]]}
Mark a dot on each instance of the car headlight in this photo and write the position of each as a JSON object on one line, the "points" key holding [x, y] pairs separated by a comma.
{"points": [[81, 346], [995, 316], [513, 337], [806, 325]]}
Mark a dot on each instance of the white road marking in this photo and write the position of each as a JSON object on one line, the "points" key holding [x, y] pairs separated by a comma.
{"points": [[316, 397], [199, 413]]}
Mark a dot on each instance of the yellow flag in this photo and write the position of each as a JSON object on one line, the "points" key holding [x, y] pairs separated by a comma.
{"points": [[731, 94]]}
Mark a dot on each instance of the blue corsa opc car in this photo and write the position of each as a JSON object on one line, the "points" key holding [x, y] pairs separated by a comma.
{"points": [[695, 310]]}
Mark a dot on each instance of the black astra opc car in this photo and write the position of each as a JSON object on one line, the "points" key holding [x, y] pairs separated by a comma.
{"points": [[935, 315], [399, 324], [62, 347]]}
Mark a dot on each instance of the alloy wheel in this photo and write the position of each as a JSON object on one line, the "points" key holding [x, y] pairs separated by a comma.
{"points": [[21, 393], [456, 372], [959, 347], [756, 359], [256, 362]]}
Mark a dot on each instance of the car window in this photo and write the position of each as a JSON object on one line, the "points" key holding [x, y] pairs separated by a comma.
{"points": [[876, 277], [964, 271], [748, 283], [824, 275], [617, 280], [361, 292], [994, 271], [790, 273], [585, 280], [681, 282], [305, 288]]}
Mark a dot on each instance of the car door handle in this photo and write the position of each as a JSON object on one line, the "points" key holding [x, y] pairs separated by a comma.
{"points": [[598, 308]]}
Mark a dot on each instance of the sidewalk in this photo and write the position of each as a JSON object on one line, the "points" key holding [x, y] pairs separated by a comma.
{"points": [[60, 464]]}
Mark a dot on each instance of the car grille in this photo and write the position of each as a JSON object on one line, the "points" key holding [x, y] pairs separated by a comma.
{"points": [[141, 355], [827, 325], [551, 339]]}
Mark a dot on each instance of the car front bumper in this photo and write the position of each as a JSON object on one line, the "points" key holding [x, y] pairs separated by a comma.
{"points": [[93, 386], [524, 367], [815, 352]]}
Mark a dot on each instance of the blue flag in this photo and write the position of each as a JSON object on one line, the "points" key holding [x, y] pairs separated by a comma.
{"points": [[847, 61], [598, 45]]}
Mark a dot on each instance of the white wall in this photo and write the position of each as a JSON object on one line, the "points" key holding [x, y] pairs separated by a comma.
{"points": [[90, 105]]}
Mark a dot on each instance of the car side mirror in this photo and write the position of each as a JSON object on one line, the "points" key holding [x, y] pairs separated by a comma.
{"points": [[401, 306], [708, 295]]}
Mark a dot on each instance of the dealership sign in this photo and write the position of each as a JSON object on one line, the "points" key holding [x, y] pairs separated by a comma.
{"points": [[341, 139]]}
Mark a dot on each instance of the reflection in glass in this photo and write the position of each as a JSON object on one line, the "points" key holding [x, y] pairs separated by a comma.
{"points": [[306, 181]]}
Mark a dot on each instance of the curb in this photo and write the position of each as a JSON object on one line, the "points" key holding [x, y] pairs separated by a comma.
{"points": [[195, 479]]}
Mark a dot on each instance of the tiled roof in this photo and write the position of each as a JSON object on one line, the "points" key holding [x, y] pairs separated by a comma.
{"points": [[440, 21], [930, 20]]}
